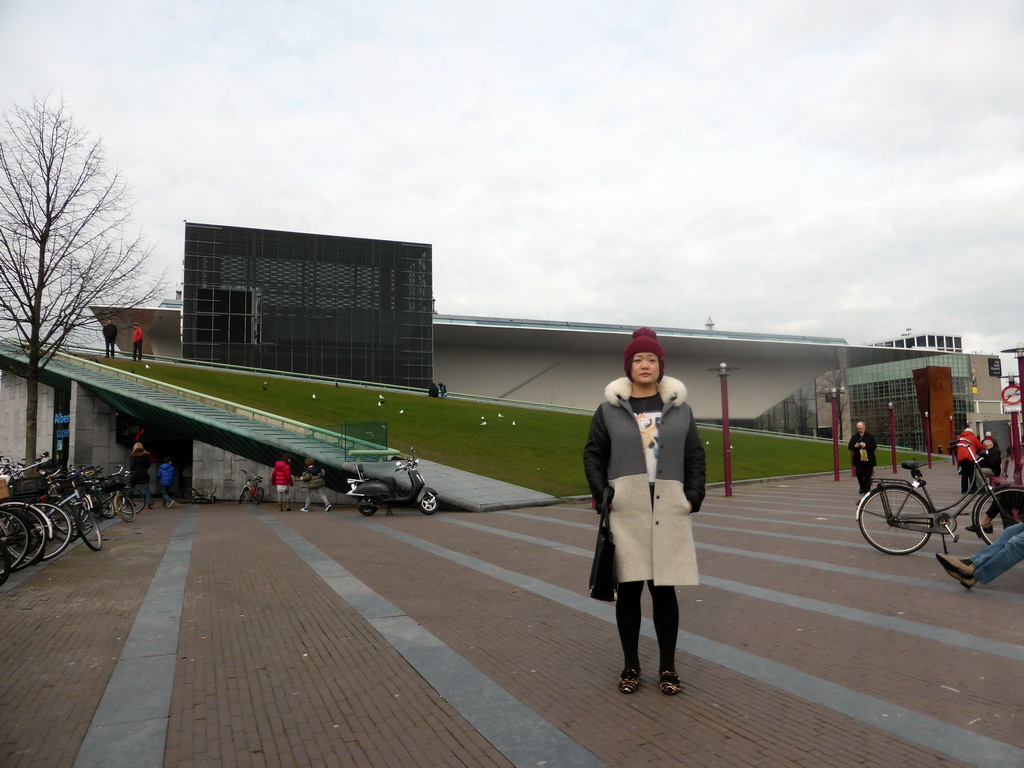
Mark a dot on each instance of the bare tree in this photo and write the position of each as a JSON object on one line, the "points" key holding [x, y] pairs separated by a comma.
{"points": [[803, 405], [836, 380], [64, 240]]}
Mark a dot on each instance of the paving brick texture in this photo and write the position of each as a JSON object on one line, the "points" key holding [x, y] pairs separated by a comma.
{"points": [[274, 668]]}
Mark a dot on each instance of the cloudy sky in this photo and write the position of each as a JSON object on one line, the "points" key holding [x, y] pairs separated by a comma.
{"points": [[846, 169]]}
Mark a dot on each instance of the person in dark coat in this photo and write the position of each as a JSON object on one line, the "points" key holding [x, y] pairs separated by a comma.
{"points": [[109, 338], [643, 445], [862, 446], [138, 472], [990, 461]]}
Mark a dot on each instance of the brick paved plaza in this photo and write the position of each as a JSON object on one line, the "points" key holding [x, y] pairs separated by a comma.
{"points": [[232, 635]]}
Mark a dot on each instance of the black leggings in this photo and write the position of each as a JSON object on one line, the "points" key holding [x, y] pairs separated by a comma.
{"points": [[666, 622]]}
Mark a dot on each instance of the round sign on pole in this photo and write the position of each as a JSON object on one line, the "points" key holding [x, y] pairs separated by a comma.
{"points": [[1011, 394]]}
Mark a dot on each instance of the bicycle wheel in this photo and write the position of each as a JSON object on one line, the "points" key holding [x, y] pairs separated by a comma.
{"points": [[5, 565], [63, 529], [105, 504], [1006, 509], [39, 531], [894, 520], [88, 529], [14, 535], [124, 507], [135, 498], [258, 495], [243, 495]]}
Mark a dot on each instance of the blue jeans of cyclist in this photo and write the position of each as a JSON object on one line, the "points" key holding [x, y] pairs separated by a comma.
{"points": [[148, 494], [1001, 555]]}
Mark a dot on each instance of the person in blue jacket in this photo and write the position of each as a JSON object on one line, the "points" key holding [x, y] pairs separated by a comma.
{"points": [[166, 473]]}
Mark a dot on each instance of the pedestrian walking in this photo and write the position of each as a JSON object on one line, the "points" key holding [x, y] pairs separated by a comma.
{"points": [[165, 475], [138, 472], [314, 481]]}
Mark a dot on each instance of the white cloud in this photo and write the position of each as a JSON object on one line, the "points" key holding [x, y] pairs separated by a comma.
{"points": [[795, 167]]}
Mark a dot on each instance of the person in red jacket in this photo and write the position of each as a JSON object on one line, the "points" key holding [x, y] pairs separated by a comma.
{"points": [[281, 479], [967, 443], [137, 342]]}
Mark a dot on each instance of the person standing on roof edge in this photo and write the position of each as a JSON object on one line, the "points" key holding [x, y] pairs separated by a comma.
{"points": [[137, 342], [643, 445], [109, 337]]}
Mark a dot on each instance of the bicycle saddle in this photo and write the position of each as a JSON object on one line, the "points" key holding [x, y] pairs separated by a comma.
{"points": [[914, 464]]}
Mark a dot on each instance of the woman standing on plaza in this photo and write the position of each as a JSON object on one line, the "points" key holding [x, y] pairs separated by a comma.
{"points": [[644, 445]]}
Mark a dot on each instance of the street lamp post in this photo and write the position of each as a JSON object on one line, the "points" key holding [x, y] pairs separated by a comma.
{"points": [[928, 437], [892, 436], [723, 376], [835, 432], [1014, 418]]}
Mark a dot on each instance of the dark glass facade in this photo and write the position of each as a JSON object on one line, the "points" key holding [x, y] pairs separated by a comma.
{"points": [[343, 307]]}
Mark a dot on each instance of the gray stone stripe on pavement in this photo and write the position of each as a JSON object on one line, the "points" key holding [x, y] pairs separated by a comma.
{"points": [[953, 741], [17, 578], [129, 729], [943, 585], [521, 735], [929, 632]]}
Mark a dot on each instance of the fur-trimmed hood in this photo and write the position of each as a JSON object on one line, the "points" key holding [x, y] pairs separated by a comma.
{"points": [[672, 391]]}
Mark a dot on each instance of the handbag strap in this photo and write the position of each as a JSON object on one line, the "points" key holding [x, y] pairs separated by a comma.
{"points": [[604, 508]]}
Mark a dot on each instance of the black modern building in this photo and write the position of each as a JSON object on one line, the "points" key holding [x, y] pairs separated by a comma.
{"points": [[345, 307]]}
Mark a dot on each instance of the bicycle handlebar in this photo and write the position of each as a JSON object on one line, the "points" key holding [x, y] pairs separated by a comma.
{"points": [[962, 443]]}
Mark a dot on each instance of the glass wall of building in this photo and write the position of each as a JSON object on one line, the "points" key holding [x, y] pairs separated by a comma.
{"points": [[872, 387], [344, 307]]}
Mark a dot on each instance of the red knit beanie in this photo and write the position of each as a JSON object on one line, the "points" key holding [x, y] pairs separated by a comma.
{"points": [[644, 340]]}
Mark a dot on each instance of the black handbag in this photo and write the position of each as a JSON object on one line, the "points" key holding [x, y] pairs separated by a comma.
{"points": [[603, 585]]}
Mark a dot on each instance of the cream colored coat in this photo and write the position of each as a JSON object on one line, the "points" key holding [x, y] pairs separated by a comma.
{"points": [[651, 544]]}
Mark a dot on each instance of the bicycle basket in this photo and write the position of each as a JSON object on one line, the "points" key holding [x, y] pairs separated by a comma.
{"points": [[109, 486], [26, 485]]}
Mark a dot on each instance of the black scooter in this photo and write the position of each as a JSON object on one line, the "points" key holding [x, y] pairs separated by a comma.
{"points": [[387, 492]]}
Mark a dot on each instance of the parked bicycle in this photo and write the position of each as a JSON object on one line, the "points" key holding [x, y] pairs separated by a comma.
{"points": [[252, 490], [199, 496], [80, 505], [114, 496], [898, 516]]}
